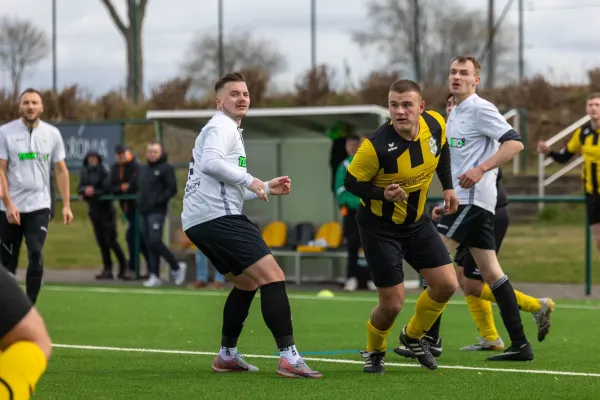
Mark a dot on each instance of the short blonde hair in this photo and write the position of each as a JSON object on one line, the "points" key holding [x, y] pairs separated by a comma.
{"points": [[465, 59]]}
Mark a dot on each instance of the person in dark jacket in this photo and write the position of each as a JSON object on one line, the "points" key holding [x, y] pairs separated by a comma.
{"points": [[93, 183], [123, 180], [156, 186]]}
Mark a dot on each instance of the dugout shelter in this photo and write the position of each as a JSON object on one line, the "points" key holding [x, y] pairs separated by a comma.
{"points": [[298, 142]]}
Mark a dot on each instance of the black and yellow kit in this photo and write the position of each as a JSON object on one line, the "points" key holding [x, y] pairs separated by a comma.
{"points": [[391, 231], [585, 140]]}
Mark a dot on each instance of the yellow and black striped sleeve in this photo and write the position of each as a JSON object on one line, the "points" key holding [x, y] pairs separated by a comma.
{"points": [[361, 171], [572, 148], [444, 168]]}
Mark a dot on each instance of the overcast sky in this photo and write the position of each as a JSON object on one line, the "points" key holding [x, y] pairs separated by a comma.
{"points": [[561, 36]]}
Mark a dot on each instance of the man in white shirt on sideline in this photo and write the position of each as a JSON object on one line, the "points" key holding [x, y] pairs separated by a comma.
{"points": [[28, 147], [217, 185], [480, 141]]}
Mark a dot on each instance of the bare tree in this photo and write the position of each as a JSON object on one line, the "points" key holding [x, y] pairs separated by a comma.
{"points": [[22, 45], [241, 52], [132, 33], [445, 30]]}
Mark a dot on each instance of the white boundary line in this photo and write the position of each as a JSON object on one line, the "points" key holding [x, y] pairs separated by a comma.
{"points": [[291, 295], [330, 360]]}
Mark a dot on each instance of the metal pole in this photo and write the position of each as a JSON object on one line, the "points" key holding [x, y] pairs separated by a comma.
{"points": [[313, 34], [136, 43], [491, 60], [220, 50], [417, 41], [521, 43], [54, 80], [588, 259]]}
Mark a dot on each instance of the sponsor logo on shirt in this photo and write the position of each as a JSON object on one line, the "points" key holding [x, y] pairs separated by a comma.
{"points": [[457, 142], [33, 156], [242, 162]]}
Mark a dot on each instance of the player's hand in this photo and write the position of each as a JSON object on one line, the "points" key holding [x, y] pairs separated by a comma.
{"points": [[542, 147], [89, 191], [12, 215], [437, 213], [394, 193], [67, 215], [280, 186], [450, 202], [257, 186], [471, 177]]}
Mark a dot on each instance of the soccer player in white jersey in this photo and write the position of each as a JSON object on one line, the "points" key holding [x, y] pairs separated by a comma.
{"points": [[28, 147], [480, 141], [217, 185]]}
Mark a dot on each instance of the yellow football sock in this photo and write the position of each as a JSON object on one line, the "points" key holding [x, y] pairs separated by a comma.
{"points": [[427, 311], [481, 311], [21, 366], [525, 302], [376, 339]]}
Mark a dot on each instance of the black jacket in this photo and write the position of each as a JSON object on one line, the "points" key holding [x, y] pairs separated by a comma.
{"points": [[156, 186], [96, 176], [121, 174]]}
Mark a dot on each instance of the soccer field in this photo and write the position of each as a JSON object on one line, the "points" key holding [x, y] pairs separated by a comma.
{"points": [[127, 343]]}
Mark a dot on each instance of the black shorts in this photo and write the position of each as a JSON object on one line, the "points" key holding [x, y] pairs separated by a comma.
{"points": [[34, 227], [386, 248], [592, 205], [14, 304], [232, 243], [471, 226], [463, 257]]}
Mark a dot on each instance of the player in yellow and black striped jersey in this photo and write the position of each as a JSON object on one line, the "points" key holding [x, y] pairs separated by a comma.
{"points": [[24, 342], [386, 158], [391, 173], [585, 140]]}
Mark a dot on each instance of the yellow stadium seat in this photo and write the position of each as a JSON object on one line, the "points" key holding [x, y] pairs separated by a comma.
{"points": [[275, 234], [331, 232]]}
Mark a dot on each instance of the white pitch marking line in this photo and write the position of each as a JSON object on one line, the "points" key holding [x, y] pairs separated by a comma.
{"points": [[329, 360], [291, 295]]}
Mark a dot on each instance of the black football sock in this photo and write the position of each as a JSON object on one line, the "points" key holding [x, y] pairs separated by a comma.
{"points": [[509, 310], [277, 314], [235, 313], [434, 331]]}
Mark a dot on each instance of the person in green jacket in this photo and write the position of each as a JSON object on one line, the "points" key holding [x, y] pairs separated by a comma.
{"points": [[348, 204]]}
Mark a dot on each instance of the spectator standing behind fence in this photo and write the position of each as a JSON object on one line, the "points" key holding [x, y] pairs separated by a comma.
{"points": [[201, 282], [156, 186], [348, 203], [93, 183], [123, 176]]}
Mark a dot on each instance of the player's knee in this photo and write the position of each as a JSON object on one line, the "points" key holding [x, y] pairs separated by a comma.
{"points": [[472, 287], [243, 282], [35, 258], [31, 329], [392, 306], [154, 240], [444, 290], [461, 279], [265, 271]]}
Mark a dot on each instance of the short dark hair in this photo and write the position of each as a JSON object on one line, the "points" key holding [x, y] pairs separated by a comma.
{"points": [[31, 90], [353, 136], [595, 95], [230, 77], [405, 85], [449, 96], [465, 59]]}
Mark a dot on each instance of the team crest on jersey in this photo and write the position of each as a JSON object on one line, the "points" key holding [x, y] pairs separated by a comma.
{"points": [[433, 146]]}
